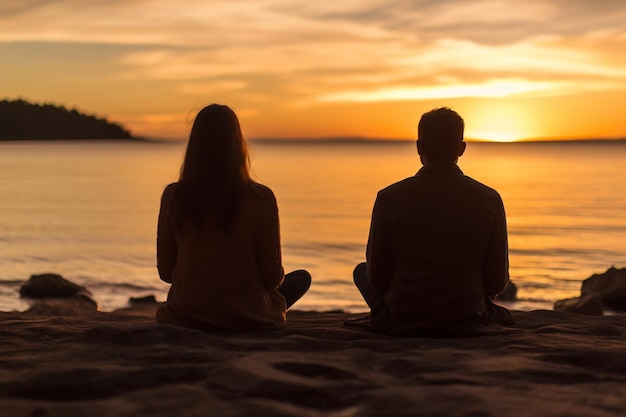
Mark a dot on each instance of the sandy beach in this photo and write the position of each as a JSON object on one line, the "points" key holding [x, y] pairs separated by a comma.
{"points": [[68, 363]]}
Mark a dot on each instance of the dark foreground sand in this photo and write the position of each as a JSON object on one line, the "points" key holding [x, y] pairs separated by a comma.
{"points": [[122, 364]]}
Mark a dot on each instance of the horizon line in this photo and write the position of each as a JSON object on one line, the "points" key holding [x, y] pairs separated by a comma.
{"points": [[358, 139]]}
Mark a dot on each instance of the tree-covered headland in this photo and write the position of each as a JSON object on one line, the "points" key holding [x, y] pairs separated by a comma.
{"points": [[21, 120]]}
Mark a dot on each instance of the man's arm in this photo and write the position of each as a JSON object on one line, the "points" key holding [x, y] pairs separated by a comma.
{"points": [[378, 254], [496, 264]]}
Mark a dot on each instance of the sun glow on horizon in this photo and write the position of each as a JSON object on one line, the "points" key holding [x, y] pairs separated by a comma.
{"points": [[500, 121], [494, 137]]}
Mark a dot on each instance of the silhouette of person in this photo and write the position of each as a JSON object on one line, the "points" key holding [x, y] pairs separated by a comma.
{"points": [[218, 238], [437, 253]]}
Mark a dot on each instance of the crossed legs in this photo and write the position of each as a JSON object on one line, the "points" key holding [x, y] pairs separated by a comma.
{"points": [[294, 286]]}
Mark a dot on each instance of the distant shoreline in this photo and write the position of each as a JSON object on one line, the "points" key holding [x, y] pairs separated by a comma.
{"points": [[347, 141], [48, 140]]}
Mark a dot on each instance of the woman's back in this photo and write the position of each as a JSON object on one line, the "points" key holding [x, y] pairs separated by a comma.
{"points": [[222, 277]]}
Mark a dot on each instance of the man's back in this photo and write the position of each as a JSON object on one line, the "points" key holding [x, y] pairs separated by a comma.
{"points": [[437, 247]]}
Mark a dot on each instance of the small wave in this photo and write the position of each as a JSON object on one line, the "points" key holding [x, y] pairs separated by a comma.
{"points": [[11, 282], [548, 252], [324, 247], [122, 286]]}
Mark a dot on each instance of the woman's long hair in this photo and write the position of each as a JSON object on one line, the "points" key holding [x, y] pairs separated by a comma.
{"points": [[216, 169]]}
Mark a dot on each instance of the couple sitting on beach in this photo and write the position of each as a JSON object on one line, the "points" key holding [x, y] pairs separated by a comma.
{"points": [[437, 253]]}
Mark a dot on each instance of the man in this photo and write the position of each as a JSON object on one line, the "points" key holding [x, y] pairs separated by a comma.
{"points": [[437, 253]]}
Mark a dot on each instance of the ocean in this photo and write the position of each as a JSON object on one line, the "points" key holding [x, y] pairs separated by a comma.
{"points": [[88, 209]]}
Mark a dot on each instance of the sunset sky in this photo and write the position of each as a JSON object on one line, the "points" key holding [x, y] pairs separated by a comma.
{"points": [[311, 69]]}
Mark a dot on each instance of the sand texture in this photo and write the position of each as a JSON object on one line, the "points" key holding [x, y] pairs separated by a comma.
{"points": [[122, 364]]}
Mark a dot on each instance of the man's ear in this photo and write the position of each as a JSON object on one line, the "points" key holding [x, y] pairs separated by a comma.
{"points": [[417, 145], [462, 147]]}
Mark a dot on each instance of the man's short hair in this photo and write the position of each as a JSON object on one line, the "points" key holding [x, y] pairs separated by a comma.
{"points": [[440, 131]]}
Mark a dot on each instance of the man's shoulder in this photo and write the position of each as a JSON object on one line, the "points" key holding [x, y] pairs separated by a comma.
{"points": [[397, 186], [407, 182], [414, 183], [479, 186]]}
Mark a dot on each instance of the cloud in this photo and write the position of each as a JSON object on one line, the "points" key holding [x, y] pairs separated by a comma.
{"points": [[356, 50], [230, 22], [491, 89]]}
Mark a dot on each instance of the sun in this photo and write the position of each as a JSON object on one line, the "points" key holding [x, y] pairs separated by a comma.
{"points": [[494, 136], [499, 122]]}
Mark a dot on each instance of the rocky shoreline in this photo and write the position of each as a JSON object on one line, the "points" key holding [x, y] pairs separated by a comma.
{"points": [[600, 293]]}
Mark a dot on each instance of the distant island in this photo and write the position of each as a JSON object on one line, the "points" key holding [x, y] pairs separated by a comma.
{"points": [[21, 120]]}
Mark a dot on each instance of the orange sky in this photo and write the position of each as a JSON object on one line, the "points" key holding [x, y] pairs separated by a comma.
{"points": [[358, 68]]}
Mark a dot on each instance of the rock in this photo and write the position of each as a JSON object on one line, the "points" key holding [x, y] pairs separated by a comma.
{"points": [[509, 293], [49, 285], [589, 305], [610, 286], [138, 301], [57, 296], [140, 306]]}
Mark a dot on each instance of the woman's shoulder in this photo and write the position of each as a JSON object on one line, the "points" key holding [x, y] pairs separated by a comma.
{"points": [[169, 189], [168, 193], [262, 191]]}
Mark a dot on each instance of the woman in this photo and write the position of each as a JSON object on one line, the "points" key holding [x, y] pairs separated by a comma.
{"points": [[218, 239]]}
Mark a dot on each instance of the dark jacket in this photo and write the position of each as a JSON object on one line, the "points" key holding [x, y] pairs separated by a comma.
{"points": [[437, 248]]}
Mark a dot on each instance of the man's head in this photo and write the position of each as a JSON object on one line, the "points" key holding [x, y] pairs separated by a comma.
{"points": [[440, 136]]}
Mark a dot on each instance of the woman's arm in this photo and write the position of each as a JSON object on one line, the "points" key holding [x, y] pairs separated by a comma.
{"points": [[269, 257], [166, 244]]}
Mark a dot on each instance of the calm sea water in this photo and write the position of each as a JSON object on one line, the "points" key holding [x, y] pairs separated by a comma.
{"points": [[88, 210]]}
